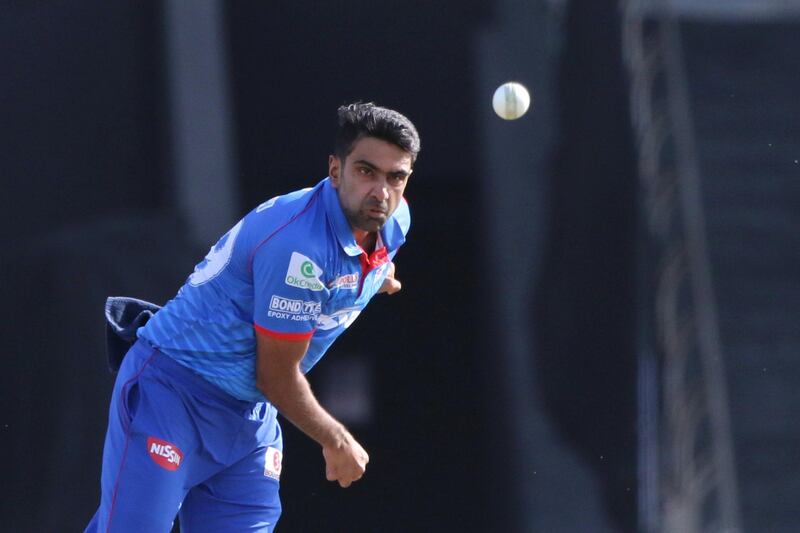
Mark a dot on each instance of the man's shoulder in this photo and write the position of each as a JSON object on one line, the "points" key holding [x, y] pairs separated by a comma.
{"points": [[295, 221], [293, 212], [284, 208], [395, 231], [402, 216]]}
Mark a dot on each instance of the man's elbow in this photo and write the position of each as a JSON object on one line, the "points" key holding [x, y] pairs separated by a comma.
{"points": [[276, 385], [266, 386]]}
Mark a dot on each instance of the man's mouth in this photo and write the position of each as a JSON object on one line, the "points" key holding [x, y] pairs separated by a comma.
{"points": [[377, 210]]}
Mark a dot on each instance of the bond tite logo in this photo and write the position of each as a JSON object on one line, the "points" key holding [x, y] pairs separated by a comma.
{"points": [[164, 454], [272, 463]]}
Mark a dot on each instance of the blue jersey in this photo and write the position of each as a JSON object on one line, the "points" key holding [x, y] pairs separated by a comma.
{"points": [[291, 269]]}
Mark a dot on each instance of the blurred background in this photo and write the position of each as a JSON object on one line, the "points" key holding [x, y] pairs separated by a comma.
{"points": [[598, 328]]}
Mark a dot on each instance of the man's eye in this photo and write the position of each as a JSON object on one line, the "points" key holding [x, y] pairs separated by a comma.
{"points": [[365, 171]]}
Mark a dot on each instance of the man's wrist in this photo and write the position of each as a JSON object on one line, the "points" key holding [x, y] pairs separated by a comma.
{"points": [[337, 438]]}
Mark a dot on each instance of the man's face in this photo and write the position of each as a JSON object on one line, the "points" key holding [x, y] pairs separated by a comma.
{"points": [[370, 182]]}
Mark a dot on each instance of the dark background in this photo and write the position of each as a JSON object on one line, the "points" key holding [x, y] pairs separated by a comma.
{"points": [[480, 422]]}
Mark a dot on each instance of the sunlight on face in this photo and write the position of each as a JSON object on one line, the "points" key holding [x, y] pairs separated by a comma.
{"points": [[370, 181]]}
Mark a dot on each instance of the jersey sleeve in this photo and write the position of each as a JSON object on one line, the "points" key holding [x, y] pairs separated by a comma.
{"points": [[396, 232], [288, 291]]}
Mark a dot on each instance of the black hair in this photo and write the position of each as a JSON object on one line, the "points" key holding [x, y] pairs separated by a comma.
{"points": [[360, 120]]}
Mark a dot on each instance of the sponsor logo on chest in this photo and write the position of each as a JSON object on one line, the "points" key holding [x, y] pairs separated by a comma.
{"points": [[164, 454], [346, 281], [303, 273]]}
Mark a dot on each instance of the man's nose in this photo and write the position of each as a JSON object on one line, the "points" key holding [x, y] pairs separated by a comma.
{"points": [[381, 190]]}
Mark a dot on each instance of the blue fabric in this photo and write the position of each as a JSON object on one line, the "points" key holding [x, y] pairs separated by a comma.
{"points": [[292, 269], [173, 438]]}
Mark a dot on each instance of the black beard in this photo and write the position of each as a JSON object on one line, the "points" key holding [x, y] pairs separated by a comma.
{"points": [[363, 222]]}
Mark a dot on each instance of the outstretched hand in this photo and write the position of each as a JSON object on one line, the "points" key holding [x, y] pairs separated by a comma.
{"points": [[390, 284]]}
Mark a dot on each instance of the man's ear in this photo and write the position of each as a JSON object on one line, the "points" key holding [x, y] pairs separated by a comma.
{"points": [[334, 168]]}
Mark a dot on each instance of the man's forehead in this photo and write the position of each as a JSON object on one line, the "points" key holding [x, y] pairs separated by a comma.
{"points": [[382, 154]]}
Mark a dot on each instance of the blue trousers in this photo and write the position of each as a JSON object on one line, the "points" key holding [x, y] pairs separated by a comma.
{"points": [[178, 445]]}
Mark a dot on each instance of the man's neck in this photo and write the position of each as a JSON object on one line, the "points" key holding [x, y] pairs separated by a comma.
{"points": [[366, 240]]}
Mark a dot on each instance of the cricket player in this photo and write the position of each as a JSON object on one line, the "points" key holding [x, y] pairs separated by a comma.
{"points": [[192, 424]]}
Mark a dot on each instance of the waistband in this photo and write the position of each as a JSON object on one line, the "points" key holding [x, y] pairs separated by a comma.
{"points": [[186, 376]]}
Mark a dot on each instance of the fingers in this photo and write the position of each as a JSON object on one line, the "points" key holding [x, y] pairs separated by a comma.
{"points": [[346, 482], [345, 461], [390, 284], [347, 476], [346, 468], [343, 481]]}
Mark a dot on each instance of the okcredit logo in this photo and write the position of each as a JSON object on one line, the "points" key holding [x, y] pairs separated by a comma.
{"points": [[303, 273]]}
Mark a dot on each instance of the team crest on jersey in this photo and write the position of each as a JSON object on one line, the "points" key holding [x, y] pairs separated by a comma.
{"points": [[164, 454], [303, 273], [273, 463], [347, 281]]}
